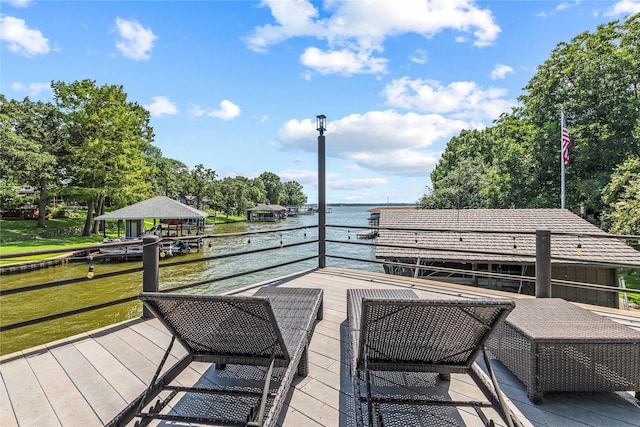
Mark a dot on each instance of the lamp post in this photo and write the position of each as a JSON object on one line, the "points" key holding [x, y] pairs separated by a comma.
{"points": [[322, 203]]}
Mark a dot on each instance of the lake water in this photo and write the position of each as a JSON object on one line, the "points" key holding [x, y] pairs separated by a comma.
{"points": [[20, 307]]}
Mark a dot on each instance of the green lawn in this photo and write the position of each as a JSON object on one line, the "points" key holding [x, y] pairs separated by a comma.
{"points": [[632, 281]]}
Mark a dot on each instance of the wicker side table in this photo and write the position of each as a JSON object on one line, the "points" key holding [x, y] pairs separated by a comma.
{"points": [[553, 345]]}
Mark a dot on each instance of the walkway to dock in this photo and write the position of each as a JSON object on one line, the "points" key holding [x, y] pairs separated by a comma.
{"points": [[88, 379]]}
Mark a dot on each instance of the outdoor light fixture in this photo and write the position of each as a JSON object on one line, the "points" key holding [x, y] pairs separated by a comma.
{"points": [[305, 233], [322, 123], [460, 241], [281, 244], [90, 273], [579, 246], [515, 247], [249, 241], [416, 238], [348, 234]]}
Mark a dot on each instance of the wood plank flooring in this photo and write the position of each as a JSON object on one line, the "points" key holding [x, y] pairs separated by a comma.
{"points": [[88, 379]]}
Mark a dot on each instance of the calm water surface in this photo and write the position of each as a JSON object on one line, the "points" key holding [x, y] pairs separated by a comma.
{"points": [[20, 307]]}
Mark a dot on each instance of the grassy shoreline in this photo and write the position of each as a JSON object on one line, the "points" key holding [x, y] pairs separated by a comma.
{"points": [[24, 235]]}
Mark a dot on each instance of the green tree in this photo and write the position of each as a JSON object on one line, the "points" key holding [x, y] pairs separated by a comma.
{"points": [[235, 195], [461, 188], [9, 196], [166, 174], [202, 182], [32, 139], [595, 80], [108, 138], [622, 198], [293, 194], [257, 192], [273, 187]]}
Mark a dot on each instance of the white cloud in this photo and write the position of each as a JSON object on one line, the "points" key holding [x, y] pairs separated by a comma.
{"points": [[624, 7], [228, 110], [342, 61], [419, 56], [18, 3], [33, 89], [161, 106], [353, 30], [21, 39], [382, 141], [500, 71], [461, 100], [567, 5], [135, 41], [302, 176]]}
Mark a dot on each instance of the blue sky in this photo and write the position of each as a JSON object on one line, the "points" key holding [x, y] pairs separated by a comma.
{"points": [[236, 85]]}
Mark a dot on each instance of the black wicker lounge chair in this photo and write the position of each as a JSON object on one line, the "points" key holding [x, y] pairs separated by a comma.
{"points": [[394, 335], [259, 341]]}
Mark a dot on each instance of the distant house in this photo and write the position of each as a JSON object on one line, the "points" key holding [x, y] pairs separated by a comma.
{"points": [[174, 216], [495, 243], [266, 213]]}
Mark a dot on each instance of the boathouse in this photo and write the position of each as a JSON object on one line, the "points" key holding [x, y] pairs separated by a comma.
{"points": [[175, 217], [504, 241], [266, 213]]}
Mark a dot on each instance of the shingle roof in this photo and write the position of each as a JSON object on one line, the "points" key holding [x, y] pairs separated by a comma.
{"points": [[267, 208], [159, 207], [446, 227]]}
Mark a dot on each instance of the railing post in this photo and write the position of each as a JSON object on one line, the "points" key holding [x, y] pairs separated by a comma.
{"points": [[543, 264], [150, 263], [322, 203]]}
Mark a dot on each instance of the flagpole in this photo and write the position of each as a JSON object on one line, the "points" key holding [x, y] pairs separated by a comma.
{"points": [[561, 161]]}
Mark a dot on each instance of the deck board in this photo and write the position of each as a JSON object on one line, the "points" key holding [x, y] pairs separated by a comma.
{"points": [[30, 404], [90, 382], [65, 399], [89, 379], [7, 417]]}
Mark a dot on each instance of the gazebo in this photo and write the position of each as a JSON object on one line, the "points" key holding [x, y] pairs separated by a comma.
{"points": [[173, 214]]}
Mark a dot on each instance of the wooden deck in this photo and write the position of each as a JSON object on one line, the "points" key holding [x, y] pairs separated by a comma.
{"points": [[88, 379]]}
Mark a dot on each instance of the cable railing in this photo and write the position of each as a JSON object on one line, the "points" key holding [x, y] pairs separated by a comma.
{"points": [[414, 266], [87, 254]]}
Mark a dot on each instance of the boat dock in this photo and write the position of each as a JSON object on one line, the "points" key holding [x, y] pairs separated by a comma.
{"points": [[368, 234], [88, 379]]}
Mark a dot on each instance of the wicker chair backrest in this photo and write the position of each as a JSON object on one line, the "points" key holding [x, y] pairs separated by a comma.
{"points": [[220, 325], [410, 334]]}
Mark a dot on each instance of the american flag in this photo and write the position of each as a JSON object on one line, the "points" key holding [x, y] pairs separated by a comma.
{"points": [[566, 142]]}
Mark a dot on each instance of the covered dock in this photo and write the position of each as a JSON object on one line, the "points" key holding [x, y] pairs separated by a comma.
{"points": [[175, 218], [266, 213]]}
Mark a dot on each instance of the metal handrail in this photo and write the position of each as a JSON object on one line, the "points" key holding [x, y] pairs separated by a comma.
{"points": [[87, 249]]}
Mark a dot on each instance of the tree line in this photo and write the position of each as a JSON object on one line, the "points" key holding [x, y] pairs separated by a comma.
{"points": [[515, 163], [93, 146]]}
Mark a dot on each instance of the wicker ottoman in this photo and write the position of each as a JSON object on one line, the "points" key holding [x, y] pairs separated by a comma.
{"points": [[553, 345]]}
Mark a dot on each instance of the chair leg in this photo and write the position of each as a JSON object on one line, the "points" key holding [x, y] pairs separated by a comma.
{"points": [[368, 384], [444, 377], [303, 365], [503, 405]]}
